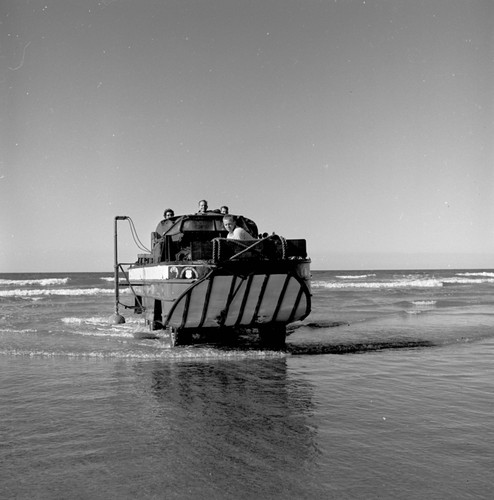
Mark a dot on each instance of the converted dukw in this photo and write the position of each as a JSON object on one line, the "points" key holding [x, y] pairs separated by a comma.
{"points": [[198, 285]]}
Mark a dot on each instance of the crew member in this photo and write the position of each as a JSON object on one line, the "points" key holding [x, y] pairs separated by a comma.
{"points": [[235, 232], [166, 223], [203, 207]]}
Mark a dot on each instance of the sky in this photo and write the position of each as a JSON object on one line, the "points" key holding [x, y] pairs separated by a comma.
{"points": [[365, 127]]}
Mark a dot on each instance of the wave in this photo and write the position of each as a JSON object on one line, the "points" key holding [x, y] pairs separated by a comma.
{"points": [[100, 321], [468, 281], [424, 302], [418, 283], [407, 283], [108, 278], [106, 333], [350, 277], [24, 330], [55, 291], [36, 282], [165, 352], [485, 274]]}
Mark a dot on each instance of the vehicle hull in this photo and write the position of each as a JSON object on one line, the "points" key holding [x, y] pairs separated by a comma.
{"points": [[240, 295]]}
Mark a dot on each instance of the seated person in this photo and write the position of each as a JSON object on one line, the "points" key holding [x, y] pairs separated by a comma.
{"points": [[235, 232], [166, 223]]}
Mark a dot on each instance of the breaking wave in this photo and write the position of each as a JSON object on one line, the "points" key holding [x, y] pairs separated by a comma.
{"points": [[486, 278], [467, 279], [35, 282], [351, 277], [95, 320], [419, 283], [485, 274], [55, 291], [143, 352], [424, 302]]}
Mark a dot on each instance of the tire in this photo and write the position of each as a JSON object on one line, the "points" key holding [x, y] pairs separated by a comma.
{"points": [[273, 336], [182, 337]]}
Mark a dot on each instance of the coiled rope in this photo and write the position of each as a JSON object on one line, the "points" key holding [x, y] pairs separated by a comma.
{"points": [[283, 246]]}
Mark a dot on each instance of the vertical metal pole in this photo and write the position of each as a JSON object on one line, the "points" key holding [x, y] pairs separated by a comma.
{"points": [[115, 267], [116, 318]]}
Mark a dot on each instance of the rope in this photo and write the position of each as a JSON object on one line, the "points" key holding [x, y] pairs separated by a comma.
{"points": [[216, 249], [283, 247]]}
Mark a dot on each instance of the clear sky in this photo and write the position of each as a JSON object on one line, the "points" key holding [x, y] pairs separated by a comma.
{"points": [[365, 127]]}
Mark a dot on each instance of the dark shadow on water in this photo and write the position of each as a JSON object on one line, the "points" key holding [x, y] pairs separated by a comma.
{"points": [[348, 347], [355, 348], [305, 348], [317, 324]]}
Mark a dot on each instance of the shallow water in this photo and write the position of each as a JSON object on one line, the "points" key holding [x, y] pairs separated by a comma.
{"points": [[395, 402]]}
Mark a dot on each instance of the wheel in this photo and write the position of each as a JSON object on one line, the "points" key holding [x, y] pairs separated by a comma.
{"points": [[227, 336], [273, 336], [182, 337]]}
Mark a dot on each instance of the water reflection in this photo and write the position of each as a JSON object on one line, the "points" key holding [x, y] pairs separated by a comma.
{"points": [[236, 421]]}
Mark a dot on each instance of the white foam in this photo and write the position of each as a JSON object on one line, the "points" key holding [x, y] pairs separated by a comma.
{"points": [[89, 321], [38, 282], [12, 330], [350, 277], [469, 281], [485, 274], [162, 353], [18, 292], [424, 302], [419, 283], [100, 321], [102, 332]]}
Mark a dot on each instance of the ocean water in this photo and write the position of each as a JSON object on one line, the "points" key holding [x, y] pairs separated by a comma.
{"points": [[385, 391]]}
